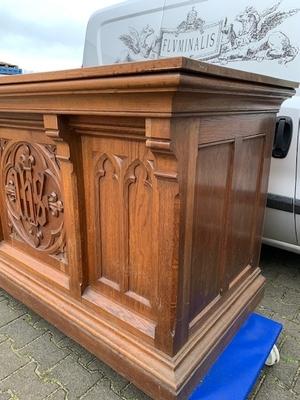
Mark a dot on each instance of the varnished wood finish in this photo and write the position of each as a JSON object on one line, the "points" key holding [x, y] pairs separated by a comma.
{"points": [[132, 201]]}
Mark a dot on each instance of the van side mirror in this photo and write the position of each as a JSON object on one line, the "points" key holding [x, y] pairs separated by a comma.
{"points": [[283, 137]]}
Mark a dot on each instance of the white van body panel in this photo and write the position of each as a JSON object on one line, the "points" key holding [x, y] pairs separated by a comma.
{"points": [[256, 36], [280, 226], [283, 171], [297, 194]]}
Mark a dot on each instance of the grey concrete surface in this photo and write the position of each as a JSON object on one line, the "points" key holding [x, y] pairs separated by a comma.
{"points": [[38, 362]]}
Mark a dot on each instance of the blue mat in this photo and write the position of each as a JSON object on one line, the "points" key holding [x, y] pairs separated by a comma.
{"points": [[235, 372]]}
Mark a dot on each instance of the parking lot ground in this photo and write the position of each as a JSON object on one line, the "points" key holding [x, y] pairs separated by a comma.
{"points": [[38, 362]]}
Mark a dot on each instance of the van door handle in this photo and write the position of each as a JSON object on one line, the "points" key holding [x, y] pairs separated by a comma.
{"points": [[283, 137]]}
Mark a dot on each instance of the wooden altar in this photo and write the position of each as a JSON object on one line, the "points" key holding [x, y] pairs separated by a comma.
{"points": [[132, 203]]}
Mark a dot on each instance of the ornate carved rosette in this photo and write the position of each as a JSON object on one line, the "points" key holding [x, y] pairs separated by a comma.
{"points": [[31, 180]]}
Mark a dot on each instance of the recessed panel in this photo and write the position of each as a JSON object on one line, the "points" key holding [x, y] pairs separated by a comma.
{"points": [[212, 179], [245, 202]]}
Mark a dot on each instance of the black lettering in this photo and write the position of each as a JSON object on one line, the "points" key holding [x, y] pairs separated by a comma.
{"points": [[174, 45], [212, 39], [169, 46], [202, 44], [164, 44], [180, 45], [185, 42]]}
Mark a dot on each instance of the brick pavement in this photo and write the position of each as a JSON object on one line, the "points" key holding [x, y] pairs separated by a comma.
{"points": [[38, 362]]}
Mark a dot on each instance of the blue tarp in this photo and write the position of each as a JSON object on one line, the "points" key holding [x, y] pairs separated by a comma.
{"points": [[235, 372]]}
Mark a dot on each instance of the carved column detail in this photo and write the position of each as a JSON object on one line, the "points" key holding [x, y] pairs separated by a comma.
{"points": [[159, 134], [68, 150], [32, 191]]}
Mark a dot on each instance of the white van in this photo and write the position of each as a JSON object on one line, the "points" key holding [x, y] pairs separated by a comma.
{"points": [[256, 36]]}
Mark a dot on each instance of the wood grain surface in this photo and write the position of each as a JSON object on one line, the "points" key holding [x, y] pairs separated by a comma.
{"points": [[132, 203]]}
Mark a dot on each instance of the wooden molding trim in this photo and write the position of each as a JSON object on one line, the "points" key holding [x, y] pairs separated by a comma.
{"points": [[163, 377]]}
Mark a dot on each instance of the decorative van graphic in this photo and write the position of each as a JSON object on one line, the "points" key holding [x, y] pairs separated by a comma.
{"points": [[257, 39], [252, 35]]}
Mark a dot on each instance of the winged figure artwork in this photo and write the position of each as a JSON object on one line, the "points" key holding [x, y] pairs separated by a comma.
{"points": [[144, 44], [257, 38]]}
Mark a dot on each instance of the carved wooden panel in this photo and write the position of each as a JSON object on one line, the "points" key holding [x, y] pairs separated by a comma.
{"points": [[107, 177], [209, 222], [31, 189], [120, 211], [138, 206]]}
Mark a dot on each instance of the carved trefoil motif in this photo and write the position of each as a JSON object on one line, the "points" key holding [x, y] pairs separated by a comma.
{"points": [[31, 179]]}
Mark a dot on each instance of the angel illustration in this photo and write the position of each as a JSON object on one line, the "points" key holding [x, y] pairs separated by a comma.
{"points": [[257, 38], [141, 44]]}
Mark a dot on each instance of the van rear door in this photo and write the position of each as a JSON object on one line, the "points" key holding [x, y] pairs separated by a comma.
{"points": [[297, 192], [280, 222]]}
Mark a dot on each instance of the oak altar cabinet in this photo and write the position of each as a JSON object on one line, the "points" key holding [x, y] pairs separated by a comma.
{"points": [[132, 203]]}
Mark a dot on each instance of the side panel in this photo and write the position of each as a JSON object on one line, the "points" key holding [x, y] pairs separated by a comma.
{"points": [[209, 219], [230, 196], [247, 176]]}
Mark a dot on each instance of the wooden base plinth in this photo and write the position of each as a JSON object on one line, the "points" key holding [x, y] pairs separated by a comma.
{"points": [[162, 377]]}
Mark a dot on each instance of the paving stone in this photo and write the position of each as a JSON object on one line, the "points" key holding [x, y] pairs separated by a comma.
{"points": [[3, 338], [101, 391], [9, 360], [31, 317], [3, 295], [24, 381], [291, 349], [288, 280], [16, 305], [60, 394], [8, 314], [75, 378], [43, 325], [5, 396], [291, 327], [271, 390], [270, 273], [285, 371], [297, 384], [82, 355], [285, 310], [133, 393], [45, 352], [265, 312], [20, 332], [292, 297], [118, 383], [274, 292]]}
